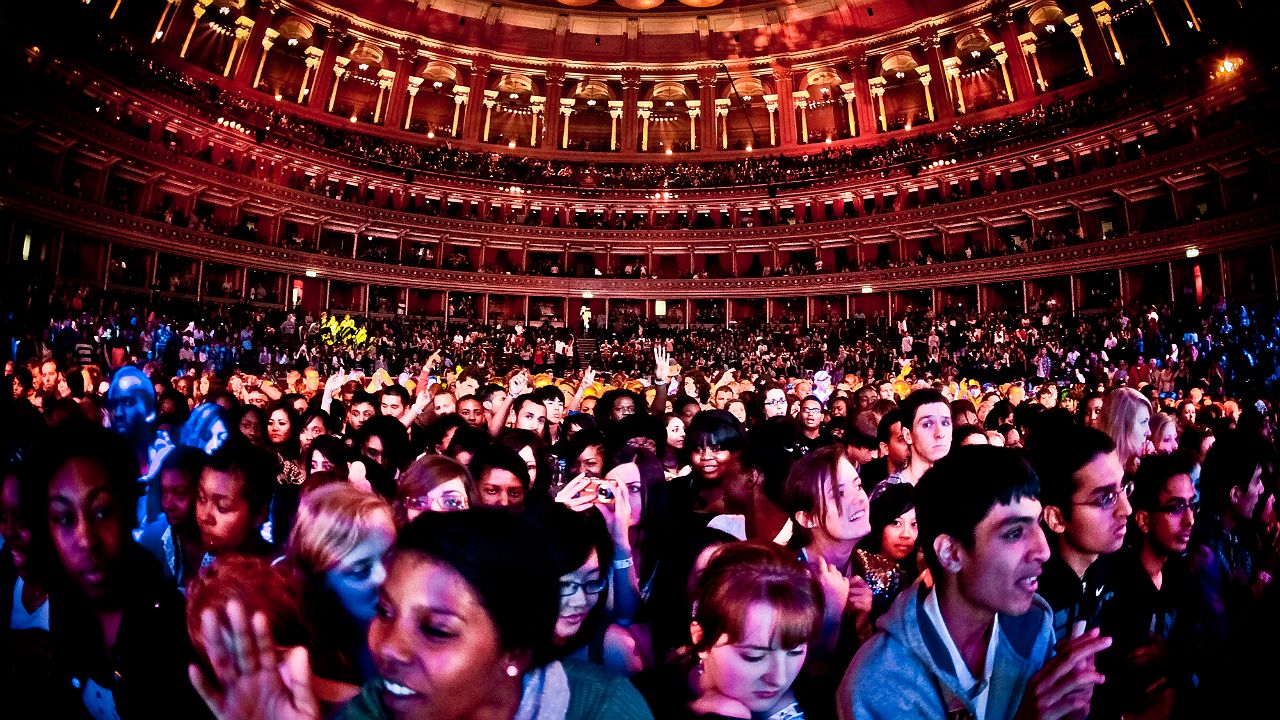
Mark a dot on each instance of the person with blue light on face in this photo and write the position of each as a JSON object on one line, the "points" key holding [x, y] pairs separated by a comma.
{"points": [[339, 538]]}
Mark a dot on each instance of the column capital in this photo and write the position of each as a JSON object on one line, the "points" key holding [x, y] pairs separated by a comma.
{"points": [[340, 65], [312, 56], [269, 38], [1102, 11]]}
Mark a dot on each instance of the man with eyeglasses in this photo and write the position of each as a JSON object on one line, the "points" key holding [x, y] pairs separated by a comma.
{"points": [[1149, 618], [809, 434], [1086, 513]]}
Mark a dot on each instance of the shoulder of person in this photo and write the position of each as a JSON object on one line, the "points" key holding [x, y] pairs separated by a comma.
{"points": [[595, 692]]}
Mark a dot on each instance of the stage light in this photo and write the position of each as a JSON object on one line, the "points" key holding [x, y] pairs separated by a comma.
{"points": [[1193, 252], [311, 273]]}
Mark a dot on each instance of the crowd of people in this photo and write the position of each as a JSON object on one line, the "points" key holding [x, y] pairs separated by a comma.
{"points": [[746, 523]]}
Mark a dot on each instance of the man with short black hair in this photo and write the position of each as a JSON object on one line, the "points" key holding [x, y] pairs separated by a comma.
{"points": [[926, 428], [1086, 510], [979, 642], [809, 434], [1149, 615], [491, 397], [552, 398], [359, 410], [894, 451]]}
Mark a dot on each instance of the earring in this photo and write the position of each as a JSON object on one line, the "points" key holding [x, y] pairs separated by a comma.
{"points": [[512, 670]]}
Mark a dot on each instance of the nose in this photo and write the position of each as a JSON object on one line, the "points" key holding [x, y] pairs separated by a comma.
{"points": [[391, 645], [1039, 551], [775, 675], [379, 574], [1123, 508]]}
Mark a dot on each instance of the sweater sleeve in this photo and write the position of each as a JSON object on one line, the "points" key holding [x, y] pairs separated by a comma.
{"points": [[597, 694]]}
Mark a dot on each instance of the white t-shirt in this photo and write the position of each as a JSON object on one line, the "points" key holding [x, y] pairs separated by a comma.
{"points": [[20, 619], [979, 691]]}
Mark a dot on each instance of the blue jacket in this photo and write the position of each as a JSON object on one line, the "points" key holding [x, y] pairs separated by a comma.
{"points": [[904, 670]]}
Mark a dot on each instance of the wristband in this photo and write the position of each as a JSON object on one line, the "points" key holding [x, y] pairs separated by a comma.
{"points": [[623, 563]]}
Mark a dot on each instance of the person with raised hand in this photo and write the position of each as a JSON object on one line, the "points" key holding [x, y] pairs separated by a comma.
{"points": [[980, 642]]}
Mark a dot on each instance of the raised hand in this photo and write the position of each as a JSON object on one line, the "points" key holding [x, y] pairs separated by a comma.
{"points": [[588, 377], [860, 596], [571, 495], [335, 382], [835, 587], [661, 365], [253, 681], [1064, 686], [519, 384]]}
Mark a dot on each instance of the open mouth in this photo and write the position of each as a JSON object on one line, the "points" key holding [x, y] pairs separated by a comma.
{"points": [[1030, 584]]}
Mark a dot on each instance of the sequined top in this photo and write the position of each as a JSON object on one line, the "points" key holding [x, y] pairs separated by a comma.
{"points": [[883, 577]]}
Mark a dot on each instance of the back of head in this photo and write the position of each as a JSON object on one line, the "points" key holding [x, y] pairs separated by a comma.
{"points": [[507, 562], [954, 495], [259, 587]]}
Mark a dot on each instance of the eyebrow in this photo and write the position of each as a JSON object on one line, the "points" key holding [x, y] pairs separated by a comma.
{"points": [[1017, 520]]}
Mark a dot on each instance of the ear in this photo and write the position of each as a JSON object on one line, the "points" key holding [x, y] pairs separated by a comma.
{"points": [[949, 552], [1054, 520], [906, 436], [805, 520], [1234, 494], [522, 660], [1143, 518]]}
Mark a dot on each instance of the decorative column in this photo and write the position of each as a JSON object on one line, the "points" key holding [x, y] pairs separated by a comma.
{"points": [[261, 29], [490, 99], [771, 105], [615, 114], [850, 95], [537, 104], [385, 79], [322, 80], [877, 91], [415, 84], [951, 66], [566, 109], [398, 97], [695, 110], [645, 110], [800, 98], [312, 59], [1019, 68], [554, 83], [340, 71], [721, 116], [706, 105], [1073, 23], [244, 27], [1195, 21], [1002, 57], [268, 41], [787, 120], [630, 111], [473, 120], [164, 15], [198, 10], [925, 78], [935, 68], [1152, 4], [1028, 43], [461, 93], [1102, 11]]}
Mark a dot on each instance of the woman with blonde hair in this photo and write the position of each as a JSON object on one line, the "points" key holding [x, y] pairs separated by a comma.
{"points": [[1164, 433], [336, 549], [434, 483], [1126, 417]]}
